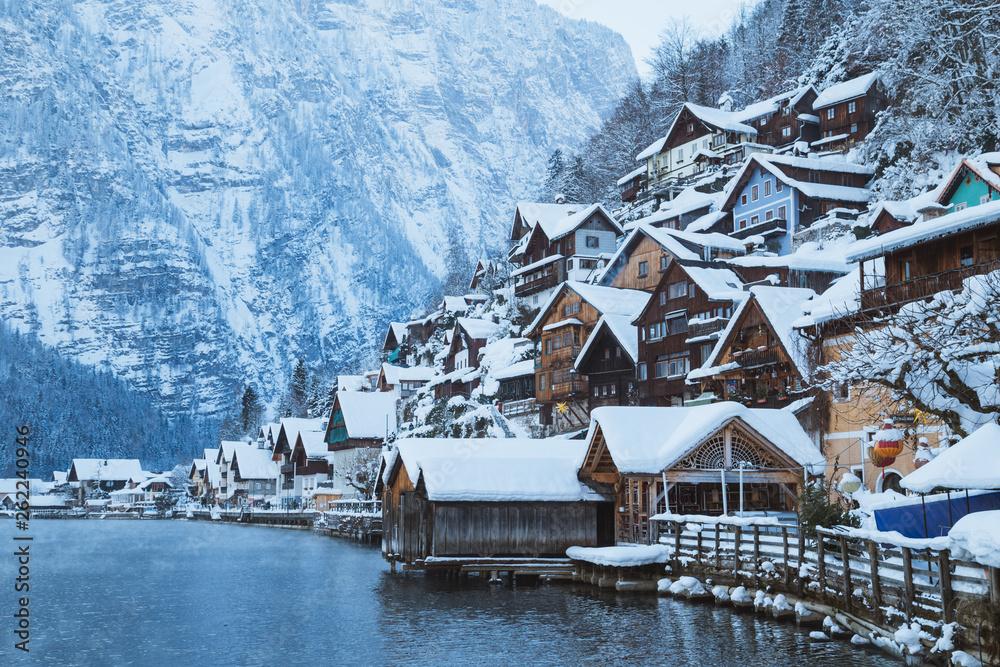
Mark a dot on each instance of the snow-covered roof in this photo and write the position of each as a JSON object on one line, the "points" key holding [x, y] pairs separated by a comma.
{"points": [[718, 284], [842, 298], [534, 212], [366, 413], [159, 479], [562, 323], [295, 425], [847, 90], [605, 300], [351, 382], [731, 121], [631, 175], [769, 163], [824, 164], [528, 268], [520, 369], [782, 306], [494, 470], [60, 476], [254, 463], [396, 374], [398, 331], [621, 327], [503, 353], [478, 329], [705, 222], [686, 201], [972, 463], [454, 304], [926, 230], [769, 106], [649, 440], [651, 150], [809, 257], [90, 470], [314, 444], [558, 228]]}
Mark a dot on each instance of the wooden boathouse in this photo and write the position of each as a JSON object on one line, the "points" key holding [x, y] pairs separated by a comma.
{"points": [[459, 501]]}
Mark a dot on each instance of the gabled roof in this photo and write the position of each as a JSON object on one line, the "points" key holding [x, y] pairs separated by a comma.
{"points": [[254, 463], [972, 463], [768, 163], [681, 245], [717, 283], [398, 332], [631, 175], [313, 443], [156, 479], [492, 470], [351, 382], [529, 214], [926, 230], [730, 121], [620, 328], [395, 374], [648, 440], [368, 415], [847, 90], [772, 105], [92, 470], [477, 329], [980, 166], [781, 307], [605, 300]]}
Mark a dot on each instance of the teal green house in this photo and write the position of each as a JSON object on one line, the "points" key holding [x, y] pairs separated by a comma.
{"points": [[975, 181]]}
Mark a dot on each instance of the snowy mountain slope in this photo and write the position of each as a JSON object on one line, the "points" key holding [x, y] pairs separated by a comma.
{"points": [[195, 192]]}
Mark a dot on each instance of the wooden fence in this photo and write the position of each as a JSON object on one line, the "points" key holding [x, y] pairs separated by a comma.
{"points": [[883, 582]]}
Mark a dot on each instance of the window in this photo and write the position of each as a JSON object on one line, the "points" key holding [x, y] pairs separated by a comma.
{"points": [[755, 192], [663, 298], [642, 372], [618, 352], [985, 199], [743, 223], [905, 269], [569, 265], [706, 352], [678, 364], [777, 186], [676, 325], [611, 390], [767, 188], [607, 353], [690, 127], [541, 382], [664, 262], [597, 390], [965, 256], [786, 132], [548, 346], [830, 113], [845, 180], [768, 215], [704, 144], [854, 128], [786, 111], [680, 154], [660, 368], [841, 392], [676, 290], [781, 213], [643, 269], [593, 242], [754, 219], [960, 206], [571, 308], [743, 200], [852, 107], [718, 140]]}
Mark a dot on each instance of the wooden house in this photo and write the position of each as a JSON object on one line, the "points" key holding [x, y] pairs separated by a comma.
{"points": [[396, 343], [631, 184], [516, 393], [559, 242], [928, 257], [848, 111], [687, 460], [197, 478], [784, 119], [560, 330], [405, 380], [459, 498], [648, 251], [310, 459], [760, 360], [359, 424], [776, 196], [468, 339], [679, 327], [975, 181], [486, 273], [608, 360], [102, 475], [323, 498], [289, 484]]}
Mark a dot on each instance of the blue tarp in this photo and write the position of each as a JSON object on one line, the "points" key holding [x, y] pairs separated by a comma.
{"points": [[908, 519]]}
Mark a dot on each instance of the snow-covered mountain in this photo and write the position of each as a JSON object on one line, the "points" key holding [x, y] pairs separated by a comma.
{"points": [[195, 192]]}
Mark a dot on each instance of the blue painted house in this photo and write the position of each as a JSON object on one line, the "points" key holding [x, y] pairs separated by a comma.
{"points": [[775, 196], [974, 181]]}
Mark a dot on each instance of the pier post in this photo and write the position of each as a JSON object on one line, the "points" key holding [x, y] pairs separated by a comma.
{"points": [[736, 552], [845, 557], [788, 567], [908, 583], [801, 586], [821, 565], [947, 595], [876, 580], [718, 551]]}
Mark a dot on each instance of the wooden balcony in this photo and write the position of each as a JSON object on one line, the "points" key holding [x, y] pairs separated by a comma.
{"points": [[758, 358], [529, 287], [561, 390], [699, 328], [522, 407], [773, 226], [923, 287]]}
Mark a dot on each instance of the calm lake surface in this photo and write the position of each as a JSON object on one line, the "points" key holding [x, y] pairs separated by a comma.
{"points": [[192, 593]]}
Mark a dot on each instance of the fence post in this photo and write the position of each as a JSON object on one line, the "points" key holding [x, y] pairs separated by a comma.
{"points": [[718, 550], [908, 594], [736, 541], [699, 547], [876, 580], [821, 565], [947, 595], [677, 545], [845, 557], [756, 554], [788, 567], [995, 587], [801, 586]]}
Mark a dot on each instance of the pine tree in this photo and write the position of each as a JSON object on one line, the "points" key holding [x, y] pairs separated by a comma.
{"points": [[554, 178], [251, 410], [298, 390]]}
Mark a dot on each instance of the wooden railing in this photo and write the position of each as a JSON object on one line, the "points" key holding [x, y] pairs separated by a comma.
{"points": [[923, 287], [514, 408], [761, 229], [882, 582], [755, 358]]}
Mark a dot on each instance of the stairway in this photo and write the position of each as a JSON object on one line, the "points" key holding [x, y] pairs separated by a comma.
{"points": [[500, 421]]}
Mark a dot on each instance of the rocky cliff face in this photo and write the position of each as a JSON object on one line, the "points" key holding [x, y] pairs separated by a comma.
{"points": [[195, 192]]}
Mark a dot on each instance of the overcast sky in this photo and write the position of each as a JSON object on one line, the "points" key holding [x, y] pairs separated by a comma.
{"points": [[640, 21]]}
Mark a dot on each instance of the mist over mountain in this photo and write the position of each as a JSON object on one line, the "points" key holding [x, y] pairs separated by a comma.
{"points": [[195, 193]]}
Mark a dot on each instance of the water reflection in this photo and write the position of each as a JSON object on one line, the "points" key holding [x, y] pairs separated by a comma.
{"points": [[172, 593]]}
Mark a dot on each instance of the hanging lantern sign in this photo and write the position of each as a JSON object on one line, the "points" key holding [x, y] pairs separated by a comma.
{"points": [[888, 445], [850, 483]]}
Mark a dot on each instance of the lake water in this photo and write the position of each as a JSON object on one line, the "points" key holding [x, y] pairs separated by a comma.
{"points": [[193, 593]]}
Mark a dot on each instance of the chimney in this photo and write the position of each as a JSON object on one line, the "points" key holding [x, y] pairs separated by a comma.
{"points": [[560, 198]]}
